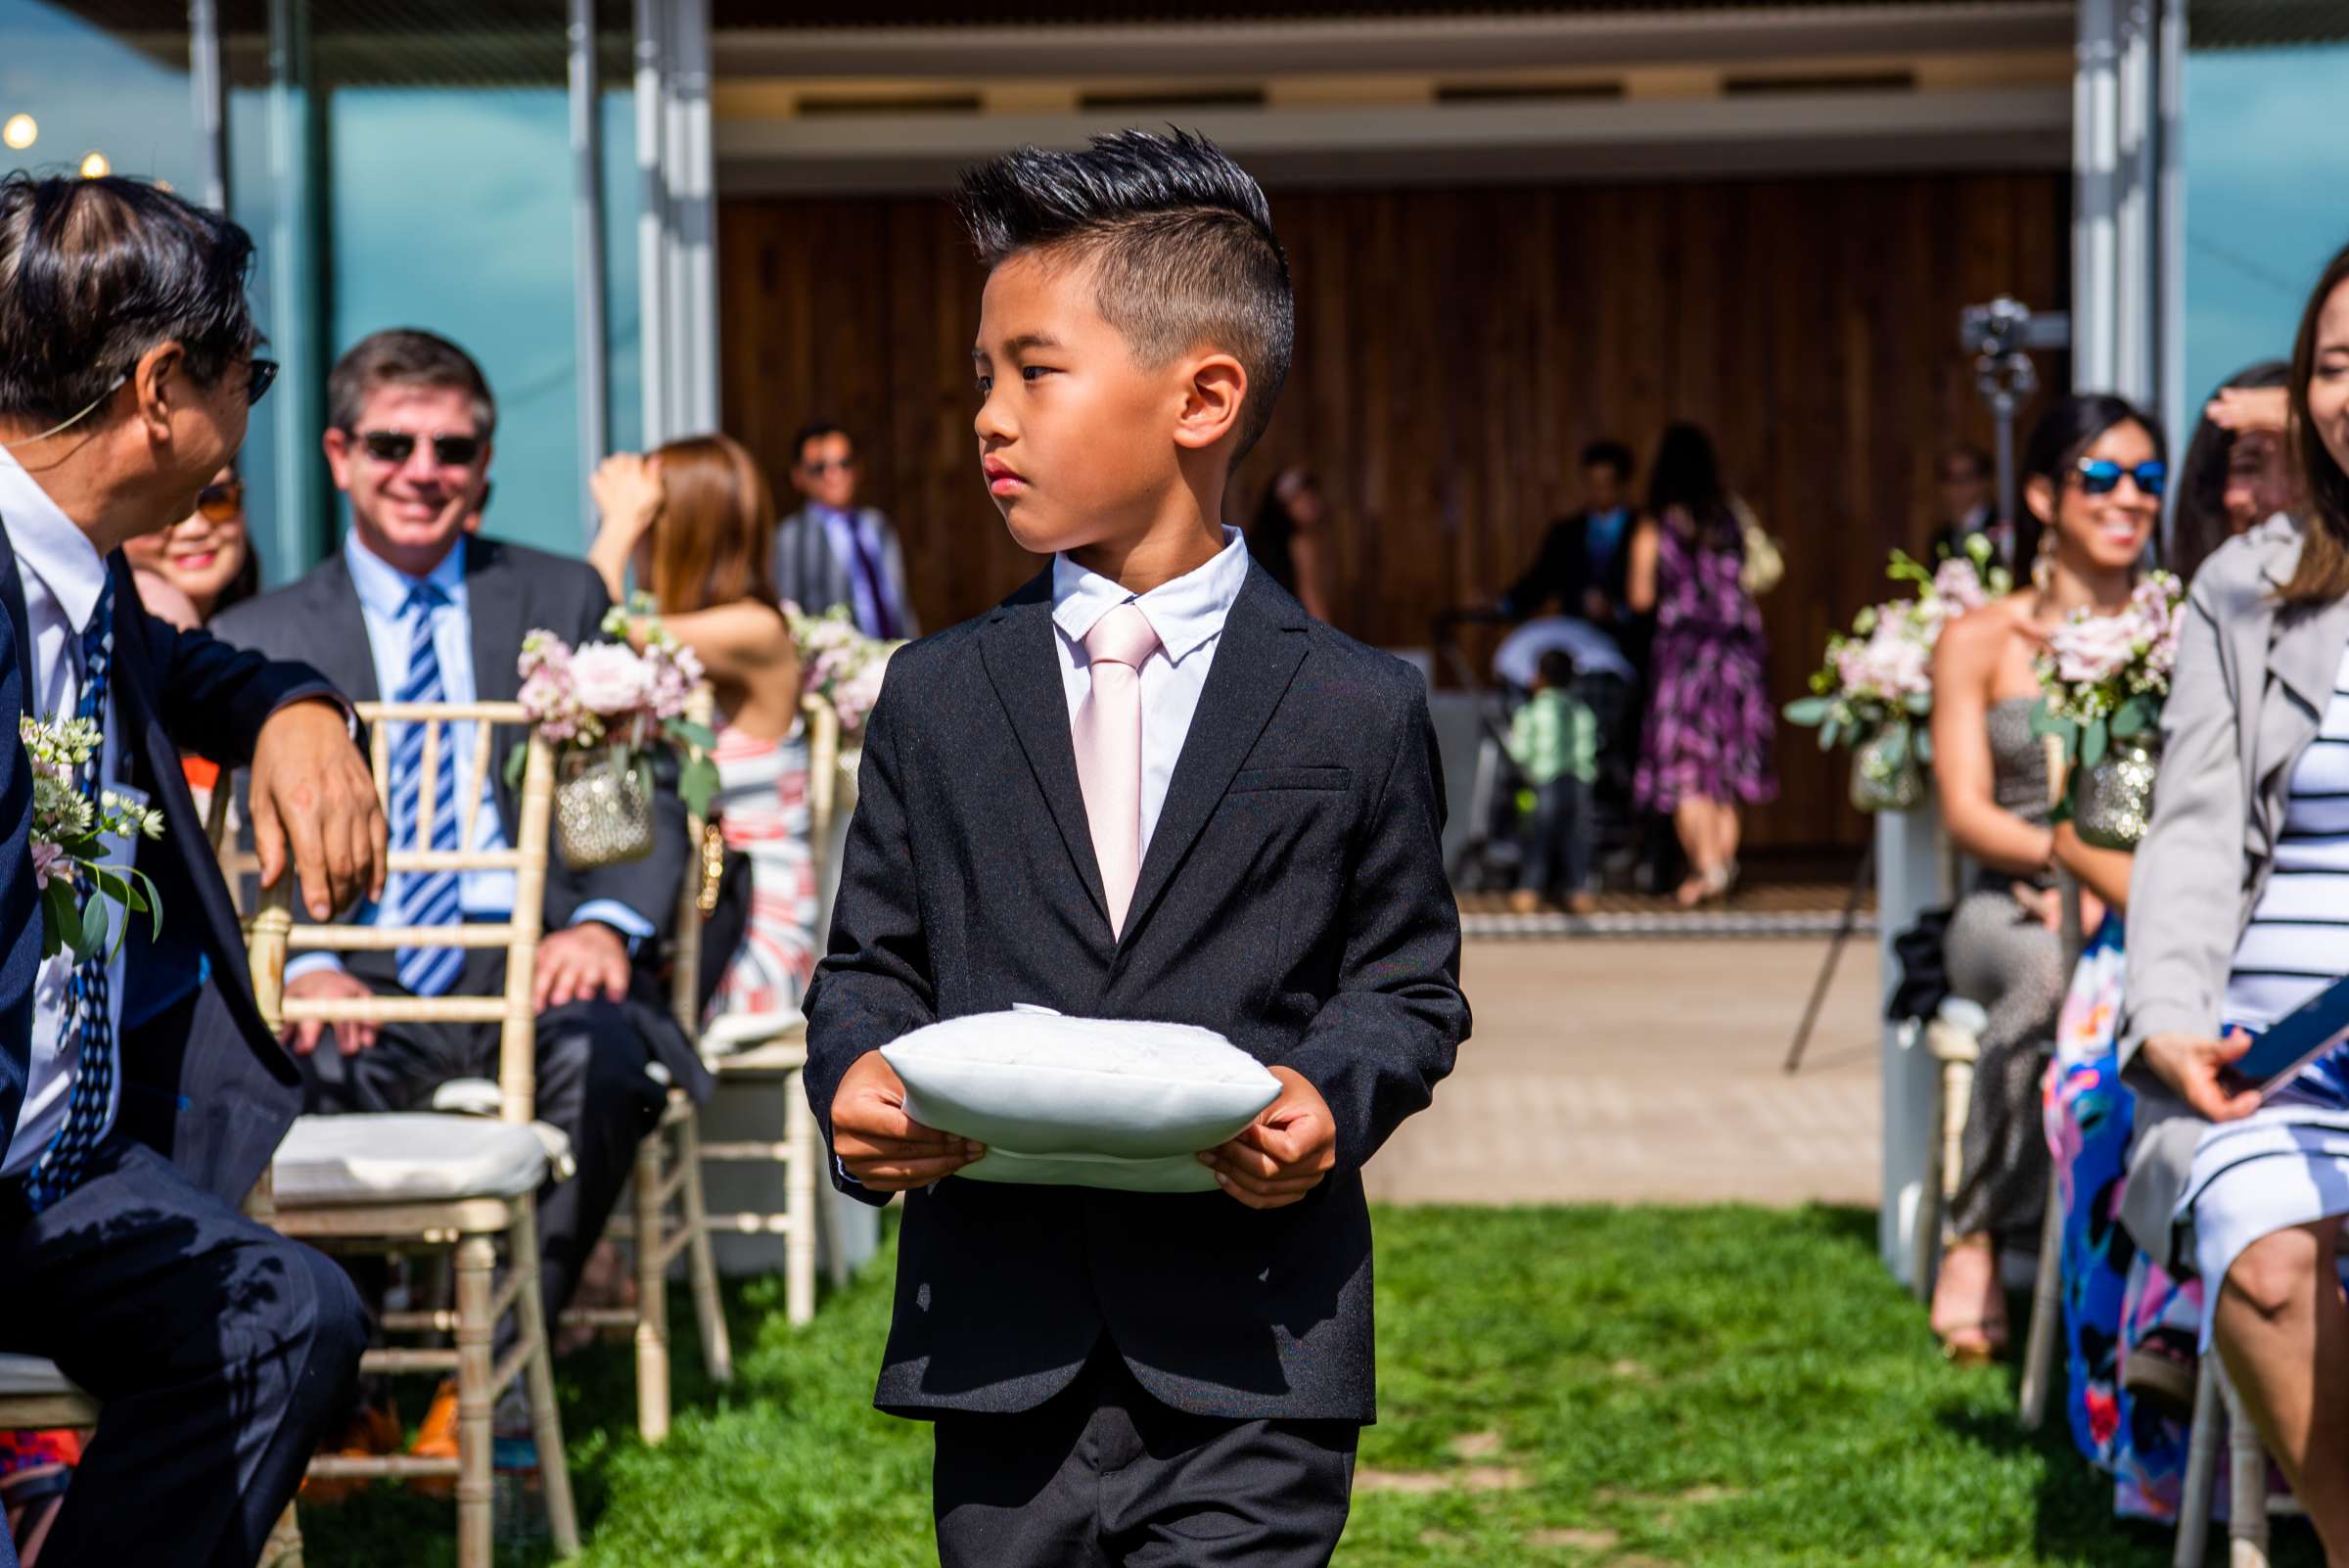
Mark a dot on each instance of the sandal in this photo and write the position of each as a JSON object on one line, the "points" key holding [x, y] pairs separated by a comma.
{"points": [[1991, 1345], [32, 1499]]}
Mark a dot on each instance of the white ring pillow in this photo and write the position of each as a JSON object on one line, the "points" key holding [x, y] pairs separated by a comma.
{"points": [[1082, 1101]]}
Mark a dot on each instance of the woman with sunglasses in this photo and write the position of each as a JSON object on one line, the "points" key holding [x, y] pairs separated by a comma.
{"points": [[2239, 913], [696, 520], [206, 556], [2094, 476]]}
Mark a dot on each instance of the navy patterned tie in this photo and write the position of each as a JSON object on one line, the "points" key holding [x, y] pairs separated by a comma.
{"points": [[425, 897], [58, 1169]]}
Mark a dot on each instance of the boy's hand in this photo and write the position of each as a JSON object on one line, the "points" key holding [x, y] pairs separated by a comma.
{"points": [[1284, 1153], [881, 1146]]}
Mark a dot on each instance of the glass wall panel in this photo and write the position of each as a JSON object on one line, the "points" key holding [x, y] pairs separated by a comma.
{"points": [[70, 89], [2264, 157]]}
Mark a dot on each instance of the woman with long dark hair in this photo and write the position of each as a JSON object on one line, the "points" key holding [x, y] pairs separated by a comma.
{"points": [[2095, 473], [1706, 748], [2231, 478], [1289, 540], [2236, 918], [697, 520]]}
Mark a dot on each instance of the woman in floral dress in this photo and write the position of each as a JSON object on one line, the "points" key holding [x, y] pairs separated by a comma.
{"points": [[1705, 750]]}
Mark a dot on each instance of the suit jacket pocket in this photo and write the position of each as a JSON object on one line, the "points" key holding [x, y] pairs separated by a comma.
{"points": [[1291, 778]]}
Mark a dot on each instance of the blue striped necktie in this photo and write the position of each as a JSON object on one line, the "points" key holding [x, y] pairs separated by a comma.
{"points": [[60, 1165], [425, 897]]}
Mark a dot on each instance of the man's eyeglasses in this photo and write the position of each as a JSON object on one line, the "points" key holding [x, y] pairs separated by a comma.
{"points": [[2098, 477], [259, 376], [395, 446], [825, 465], [221, 503]]}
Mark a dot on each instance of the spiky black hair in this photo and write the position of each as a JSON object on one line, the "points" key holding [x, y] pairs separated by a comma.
{"points": [[1179, 238]]}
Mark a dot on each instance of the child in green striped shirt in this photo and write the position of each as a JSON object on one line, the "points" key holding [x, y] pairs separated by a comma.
{"points": [[1553, 741]]}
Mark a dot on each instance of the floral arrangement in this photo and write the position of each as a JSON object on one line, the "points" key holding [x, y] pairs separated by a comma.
{"points": [[1877, 680], [67, 830], [840, 663], [2105, 677], [624, 695]]}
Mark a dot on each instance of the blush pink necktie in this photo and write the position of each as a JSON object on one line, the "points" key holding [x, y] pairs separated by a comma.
{"points": [[1109, 752]]}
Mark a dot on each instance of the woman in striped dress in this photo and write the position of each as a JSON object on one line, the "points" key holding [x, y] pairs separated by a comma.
{"points": [[696, 520], [2238, 913]]}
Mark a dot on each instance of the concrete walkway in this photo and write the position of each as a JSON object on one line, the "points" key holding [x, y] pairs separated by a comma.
{"points": [[1640, 1070]]}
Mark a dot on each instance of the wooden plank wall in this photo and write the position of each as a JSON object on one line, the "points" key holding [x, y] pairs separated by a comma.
{"points": [[1456, 348]]}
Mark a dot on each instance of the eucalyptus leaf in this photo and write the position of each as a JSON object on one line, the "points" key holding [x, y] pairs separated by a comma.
{"points": [[2093, 739], [1896, 747], [517, 760], [1809, 710], [1919, 704], [699, 736], [62, 926], [1829, 733], [2134, 718], [1924, 747]]}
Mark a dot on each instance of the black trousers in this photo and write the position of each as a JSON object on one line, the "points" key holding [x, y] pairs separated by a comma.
{"points": [[219, 1349], [592, 1083], [1555, 841], [1104, 1475]]}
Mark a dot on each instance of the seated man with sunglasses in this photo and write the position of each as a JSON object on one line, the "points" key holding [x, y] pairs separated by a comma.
{"points": [[418, 609]]}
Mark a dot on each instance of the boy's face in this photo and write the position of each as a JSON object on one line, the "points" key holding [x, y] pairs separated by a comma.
{"points": [[1075, 440]]}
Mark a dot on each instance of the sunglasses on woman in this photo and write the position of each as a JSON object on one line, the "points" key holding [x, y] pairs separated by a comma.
{"points": [[221, 503], [2098, 477], [395, 447]]}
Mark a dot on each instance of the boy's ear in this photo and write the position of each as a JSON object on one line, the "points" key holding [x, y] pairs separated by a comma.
{"points": [[1215, 388]]}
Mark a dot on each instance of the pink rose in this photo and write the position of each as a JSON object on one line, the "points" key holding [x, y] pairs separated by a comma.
{"points": [[610, 678]]}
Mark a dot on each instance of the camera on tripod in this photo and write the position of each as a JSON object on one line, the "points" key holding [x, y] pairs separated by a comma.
{"points": [[2006, 326]]}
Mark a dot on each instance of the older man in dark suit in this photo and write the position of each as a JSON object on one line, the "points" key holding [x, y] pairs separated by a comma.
{"points": [[418, 610], [154, 1096]]}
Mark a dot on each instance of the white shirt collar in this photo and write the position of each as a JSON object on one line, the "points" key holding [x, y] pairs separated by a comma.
{"points": [[50, 543], [1186, 613], [384, 588]]}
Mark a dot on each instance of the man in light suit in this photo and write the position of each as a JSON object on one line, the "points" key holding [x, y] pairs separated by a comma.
{"points": [[831, 550], [155, 1096]]}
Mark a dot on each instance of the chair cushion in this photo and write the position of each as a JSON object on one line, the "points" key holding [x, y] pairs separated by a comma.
{"points": [[408, 1157], [479, 1097], [1089, 1101], [29, 1374], [733, 1034]]}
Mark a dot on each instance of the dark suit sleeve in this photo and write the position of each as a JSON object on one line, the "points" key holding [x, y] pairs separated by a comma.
{"points": [[19, 914], [1554, 574], [1378, 1046], [215, 698], [874, 985], [649, 885]]}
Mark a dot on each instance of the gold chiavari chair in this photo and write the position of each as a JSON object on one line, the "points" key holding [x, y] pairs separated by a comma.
{"points": [[669, 1214], [432, 1185]]}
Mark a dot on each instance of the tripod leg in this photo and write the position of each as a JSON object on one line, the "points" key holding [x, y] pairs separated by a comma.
{"points": [[1826, 969]]}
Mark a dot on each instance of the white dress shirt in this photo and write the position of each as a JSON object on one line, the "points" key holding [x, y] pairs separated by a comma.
{"points": [[1188, 616], [383, 591], [63, 575]]}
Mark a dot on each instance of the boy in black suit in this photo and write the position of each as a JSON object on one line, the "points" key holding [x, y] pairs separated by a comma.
{"points": [[1147, 786]]}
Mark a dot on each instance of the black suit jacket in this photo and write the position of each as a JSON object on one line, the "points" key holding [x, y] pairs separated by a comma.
{"points": [[204, 1082], [1563, 570], [1292, 897], [510, 590], [19, 905]]}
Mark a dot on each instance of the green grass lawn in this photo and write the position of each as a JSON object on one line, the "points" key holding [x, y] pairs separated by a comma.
{"points": [[1580, 1386]]}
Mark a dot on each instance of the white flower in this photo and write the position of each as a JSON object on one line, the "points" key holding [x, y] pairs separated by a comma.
{"points": [[610, 678]]}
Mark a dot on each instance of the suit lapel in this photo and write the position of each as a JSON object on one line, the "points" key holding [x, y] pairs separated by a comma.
{"points": [[1263, 641], [346, 661], [1017, 649], [12, 592], [495, 609]]}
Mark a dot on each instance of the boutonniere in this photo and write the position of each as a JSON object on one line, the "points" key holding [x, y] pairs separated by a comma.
{"points": [[68, 839]]}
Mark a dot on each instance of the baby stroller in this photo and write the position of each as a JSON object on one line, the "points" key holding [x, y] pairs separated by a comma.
{"points": [[1605, 681]]}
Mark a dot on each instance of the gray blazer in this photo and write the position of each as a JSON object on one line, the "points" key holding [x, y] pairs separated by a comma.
{"points": [[2252, 683], [811, 574]]}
